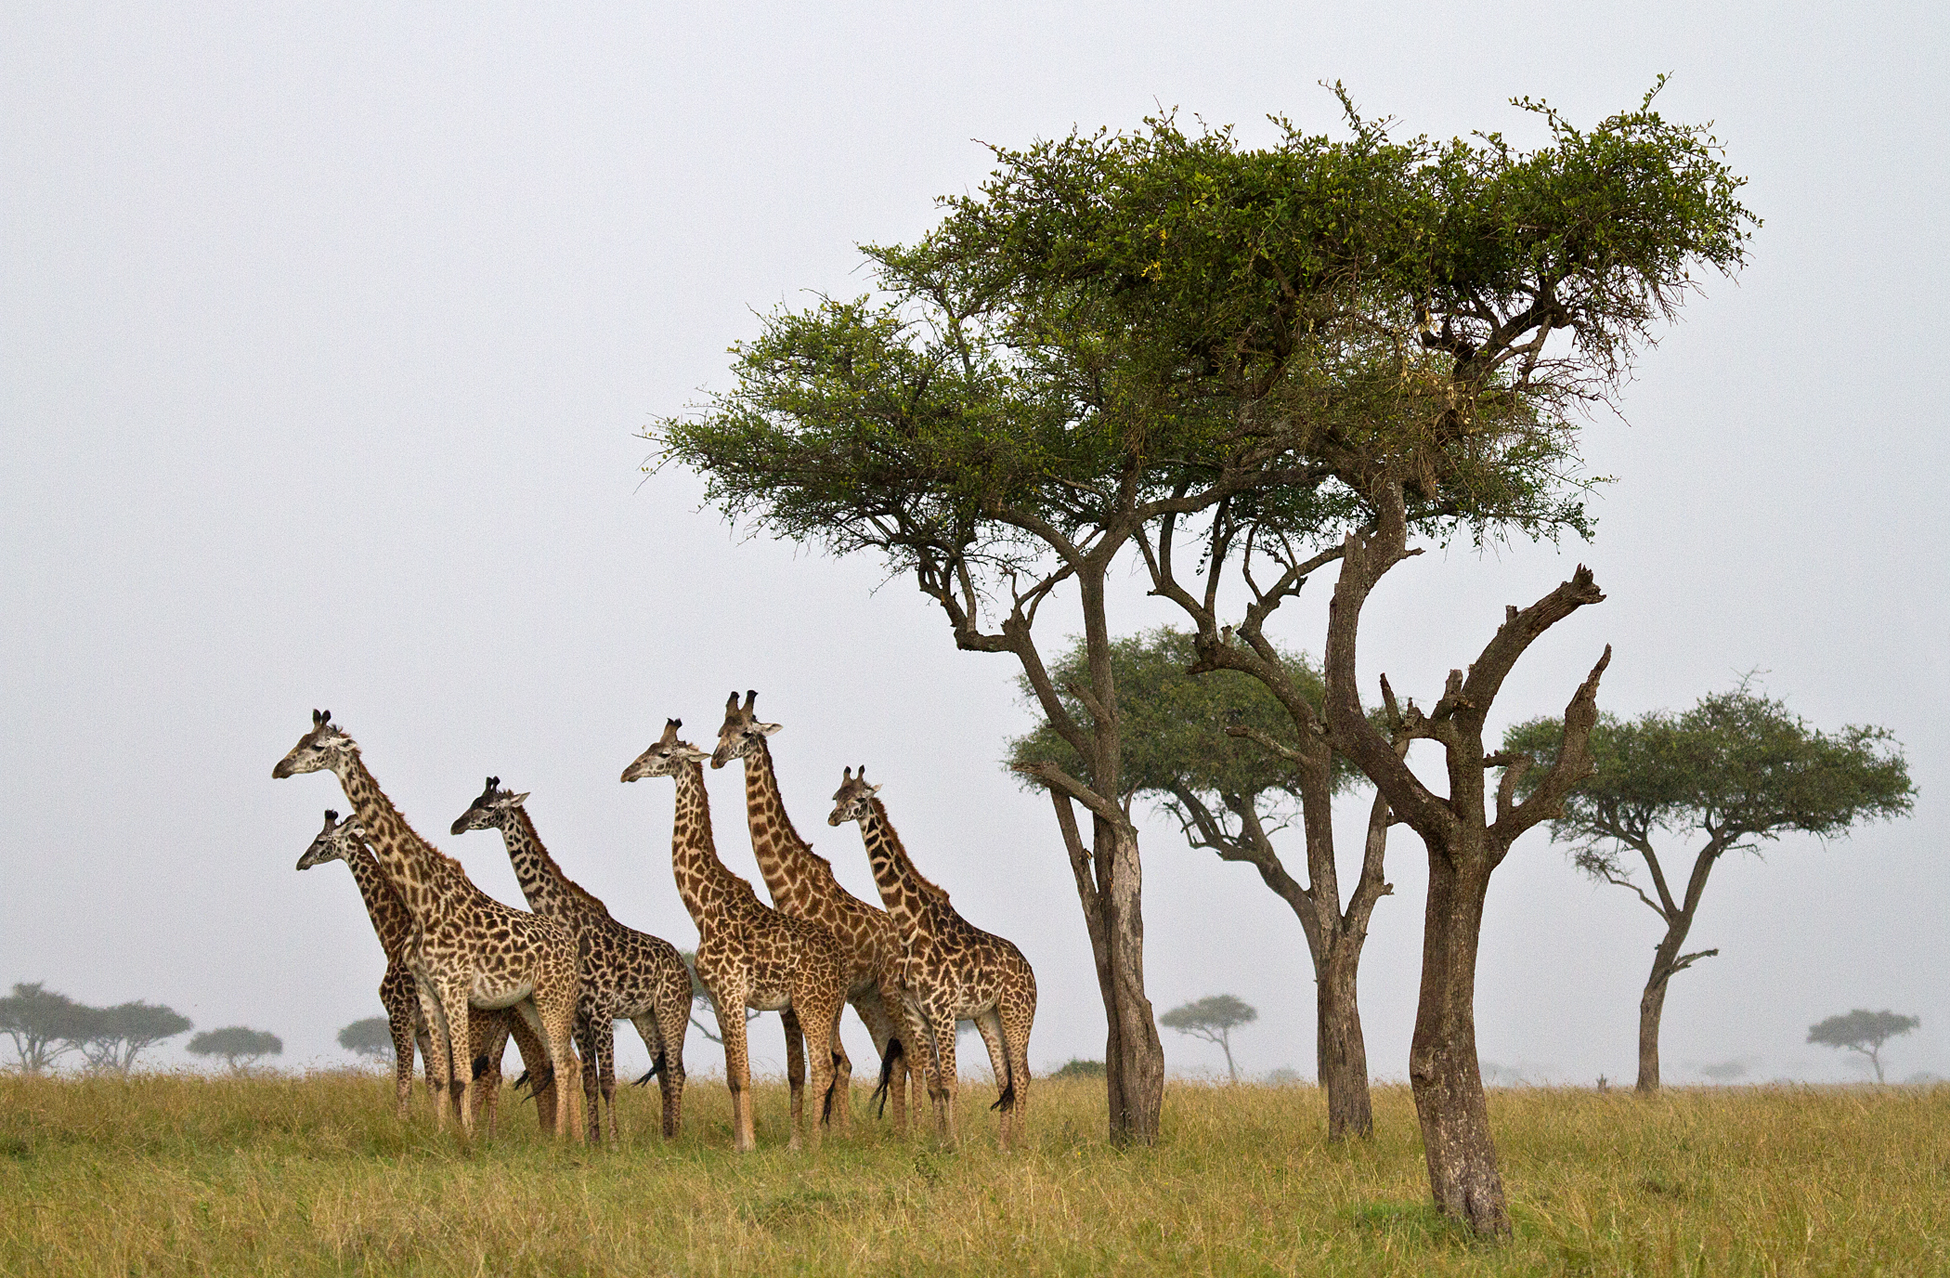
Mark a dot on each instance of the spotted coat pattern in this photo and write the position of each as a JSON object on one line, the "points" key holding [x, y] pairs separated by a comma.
{"points": [[466, 949], [952, 970], [748, 954], [626, 974], [802, 884], [399, 994]]}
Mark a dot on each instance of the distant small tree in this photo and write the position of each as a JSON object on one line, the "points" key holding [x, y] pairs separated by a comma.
{"points": [[1735, 771], [43, 1025], [1077, 1067], [115, 1036], [1212, 1018], [1863, 1031], [239, 1046], [371, 1037]]}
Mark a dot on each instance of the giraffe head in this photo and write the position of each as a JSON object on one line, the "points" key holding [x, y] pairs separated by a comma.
{"points": [[666, 756], [854, 799], [338, 841], [742, 732], [325, 747], [492, 811]]}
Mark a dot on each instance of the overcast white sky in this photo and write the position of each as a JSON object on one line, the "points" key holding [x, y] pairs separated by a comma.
{"points": [[327, 332]]}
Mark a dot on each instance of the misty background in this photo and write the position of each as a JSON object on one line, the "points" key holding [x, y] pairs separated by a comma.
{"points": [[327, 338]]}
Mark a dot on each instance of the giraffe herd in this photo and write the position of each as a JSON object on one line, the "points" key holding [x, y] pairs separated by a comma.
{"points": [[465, 973]]}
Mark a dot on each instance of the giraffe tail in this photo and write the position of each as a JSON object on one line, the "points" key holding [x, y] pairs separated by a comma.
{"points": [[656, 1068], [1006, 1102], [894, 1053], [482, 1065], [534, 1083], [832, 1090]]}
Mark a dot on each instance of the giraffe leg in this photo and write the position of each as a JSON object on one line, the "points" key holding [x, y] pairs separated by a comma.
{"points": [[877, 1015], [424, 1040], [944, 1086], [489, 1032], [555, 1006], [990, 1027], [439, 1056], [525, 1027], [674, 1026], [737, 1067], [910, 1066], [795, 1071], [599, 1080], [667, 1061], [402, 1005], [1017, 1011], [453, 997]]}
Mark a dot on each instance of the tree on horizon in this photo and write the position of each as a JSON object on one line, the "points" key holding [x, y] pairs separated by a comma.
{"points": [[1734, 772], [1863, 1031]]}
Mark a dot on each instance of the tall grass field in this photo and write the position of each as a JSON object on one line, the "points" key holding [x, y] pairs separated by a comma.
{"points": [[169, 1174]]}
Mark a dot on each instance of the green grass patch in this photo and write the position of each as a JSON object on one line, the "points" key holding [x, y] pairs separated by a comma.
{"points": [[187, 1175]]}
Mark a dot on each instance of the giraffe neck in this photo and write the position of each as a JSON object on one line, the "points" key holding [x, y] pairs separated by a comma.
{"points": [[903, 891], [427, 882], [389, 915], [542, 882], [793, 874], [706, 886]]}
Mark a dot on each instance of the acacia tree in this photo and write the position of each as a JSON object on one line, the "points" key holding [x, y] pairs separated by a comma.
{"points": [[240, 1046], [42, 1024], [1212, 1018], [115, 1036], [1863, 1031], [1220, 753], [371, 1037], [1735, 771], [1456, 407], [1154, 333]]}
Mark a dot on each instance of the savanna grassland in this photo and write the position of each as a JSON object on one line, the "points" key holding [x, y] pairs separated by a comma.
{"points": [[312, 1175]]}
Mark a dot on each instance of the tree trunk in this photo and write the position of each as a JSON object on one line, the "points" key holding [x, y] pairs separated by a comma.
{"points": [[1343, 1053], [1134, 1059], [1652, 1005], [1442, 1065]]}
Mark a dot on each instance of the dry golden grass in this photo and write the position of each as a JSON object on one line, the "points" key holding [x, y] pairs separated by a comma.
{"points": [[182, 1175]]}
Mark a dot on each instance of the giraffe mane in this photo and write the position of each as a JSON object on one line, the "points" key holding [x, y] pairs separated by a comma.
{"points": [[576, 889], [929, 888], [407, 828]]}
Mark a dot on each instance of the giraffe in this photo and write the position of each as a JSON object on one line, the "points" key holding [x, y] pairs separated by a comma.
{"points": [[346, 841], [749, 955], [626, 974], [802, 884], [953, 969], [465, 947]]}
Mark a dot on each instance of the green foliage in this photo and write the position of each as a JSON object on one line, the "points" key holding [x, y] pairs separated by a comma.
{"points": [[1863, 1031], [1215, 1013], [239, 1046], [1122, 318], [1738, 765], [1174, 724], [371, 1038], [1077, 1067]]}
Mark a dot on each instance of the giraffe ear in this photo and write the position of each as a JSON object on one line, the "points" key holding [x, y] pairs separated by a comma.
{"points": [[519, 799], [767, 729], [873, 789]]}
